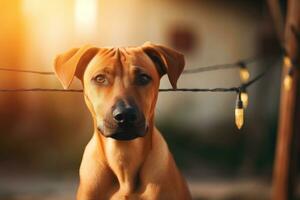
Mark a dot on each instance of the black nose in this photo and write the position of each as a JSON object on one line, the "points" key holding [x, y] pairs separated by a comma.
{"points": [[124, 115]]}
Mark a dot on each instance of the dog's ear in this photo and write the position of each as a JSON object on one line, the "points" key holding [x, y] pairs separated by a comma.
{"points": [[167, 61], [73, 63]]}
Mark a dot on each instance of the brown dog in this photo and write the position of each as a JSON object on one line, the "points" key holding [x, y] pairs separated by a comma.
{"points": [[127, 158]]}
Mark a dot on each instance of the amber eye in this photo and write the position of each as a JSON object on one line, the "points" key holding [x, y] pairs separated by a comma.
{"points": [[101, 79], [142, 79]]}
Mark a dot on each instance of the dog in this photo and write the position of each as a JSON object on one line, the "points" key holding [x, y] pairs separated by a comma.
{"points": [[127, 157]]}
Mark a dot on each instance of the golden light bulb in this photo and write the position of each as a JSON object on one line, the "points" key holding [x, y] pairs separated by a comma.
{"points": [[239, 117], [288, 80], [287, 62], [244, 74], [245, 99], [239, 112]]}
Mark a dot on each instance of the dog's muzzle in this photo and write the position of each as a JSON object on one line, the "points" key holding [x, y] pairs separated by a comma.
{"points": [[124, 123]]}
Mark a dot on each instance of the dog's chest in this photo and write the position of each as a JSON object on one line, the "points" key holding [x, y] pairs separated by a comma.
{"points": [[123, 156], [120, 196], [148, 194], [125, 162]]}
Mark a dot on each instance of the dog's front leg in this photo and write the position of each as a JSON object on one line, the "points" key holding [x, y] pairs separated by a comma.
{"points": [[96, 179]]}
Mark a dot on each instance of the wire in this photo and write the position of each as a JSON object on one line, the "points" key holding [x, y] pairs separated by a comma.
{"points": [[230, 89], [221, 66], [39, 90], [233, 89], [208, 68], [27, 71]]}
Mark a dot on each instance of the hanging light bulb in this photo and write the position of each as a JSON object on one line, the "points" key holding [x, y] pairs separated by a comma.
{"points": [[287, 62], [244, 72], [239, 112], [244, 97], [288, 79]]}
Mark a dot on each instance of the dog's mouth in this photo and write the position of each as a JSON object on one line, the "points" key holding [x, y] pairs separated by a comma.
{"points": [[123, 136], [123, 132]]}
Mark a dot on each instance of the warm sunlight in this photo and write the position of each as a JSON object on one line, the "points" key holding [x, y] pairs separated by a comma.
{"points": [[30, 6], [85, 15]]}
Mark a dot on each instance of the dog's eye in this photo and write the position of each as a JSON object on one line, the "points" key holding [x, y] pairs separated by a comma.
{"points": [[142, 79], [101, 79]]}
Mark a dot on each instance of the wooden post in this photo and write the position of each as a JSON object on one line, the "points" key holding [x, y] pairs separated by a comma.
{"points": [[282, 180], [278, 19]]}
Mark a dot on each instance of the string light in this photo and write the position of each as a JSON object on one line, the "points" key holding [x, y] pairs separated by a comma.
{"points": [[244, 97], [288, 79], [287, 62], [244, 72], [239, 112]]}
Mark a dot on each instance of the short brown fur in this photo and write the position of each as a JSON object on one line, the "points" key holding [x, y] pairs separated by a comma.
{"points": [[142, 168]]}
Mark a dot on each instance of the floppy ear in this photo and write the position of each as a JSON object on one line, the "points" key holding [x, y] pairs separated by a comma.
{"points": [[73, 63], [166, 60]]}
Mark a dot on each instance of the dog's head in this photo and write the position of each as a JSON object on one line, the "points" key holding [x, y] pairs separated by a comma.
{"points": [[120, 84]]}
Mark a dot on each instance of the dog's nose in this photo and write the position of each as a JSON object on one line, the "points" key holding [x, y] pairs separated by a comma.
{"points": [[124, 115]]}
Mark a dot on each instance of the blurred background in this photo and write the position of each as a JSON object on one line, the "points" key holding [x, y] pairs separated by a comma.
{"points": [[43, 135]]}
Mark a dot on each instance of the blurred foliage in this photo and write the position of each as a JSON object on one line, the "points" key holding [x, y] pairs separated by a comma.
{"points": [[224, 151]]}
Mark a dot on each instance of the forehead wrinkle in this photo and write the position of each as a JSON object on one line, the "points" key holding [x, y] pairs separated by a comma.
{"points": [[111, 55], [106, 70], [137, 69], [117, 53], [106, 52], [103, 63], [117, 63], [125, 54], [125, 60], [122, 54], [120, 61]]}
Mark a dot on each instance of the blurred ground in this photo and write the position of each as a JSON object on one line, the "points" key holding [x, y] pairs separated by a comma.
{"points": [[37, 187]]}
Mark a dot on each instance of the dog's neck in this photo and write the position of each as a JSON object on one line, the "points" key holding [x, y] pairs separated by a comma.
{"points": [[125, 158]]}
